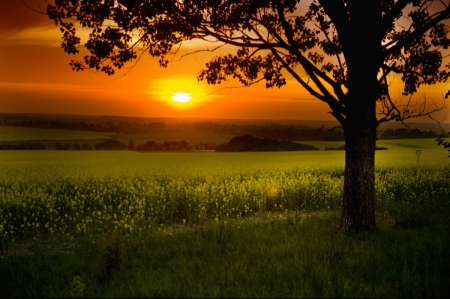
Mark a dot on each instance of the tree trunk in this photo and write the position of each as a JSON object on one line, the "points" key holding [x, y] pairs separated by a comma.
{"points": [[361, 39], [358, 208]]}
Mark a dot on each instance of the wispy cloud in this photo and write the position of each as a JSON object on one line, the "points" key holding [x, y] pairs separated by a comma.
{"points": [[49, 36]]}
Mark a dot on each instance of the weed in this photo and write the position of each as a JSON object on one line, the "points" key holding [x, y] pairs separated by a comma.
{"points": [[77, 287]]}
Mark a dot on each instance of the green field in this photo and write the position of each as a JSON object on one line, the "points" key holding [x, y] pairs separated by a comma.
{"points": [[202, 224]]}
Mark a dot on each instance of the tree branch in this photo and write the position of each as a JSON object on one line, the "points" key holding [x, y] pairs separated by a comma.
{"points": [[310, 68], [445, 14], [390, 16], [337, 12]]}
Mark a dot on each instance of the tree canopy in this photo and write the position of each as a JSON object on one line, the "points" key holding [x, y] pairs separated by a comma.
{"points": [[272, 36]]}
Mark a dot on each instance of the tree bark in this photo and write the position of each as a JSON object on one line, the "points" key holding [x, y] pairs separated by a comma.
{"points": [[362, 49], [358, 208]]}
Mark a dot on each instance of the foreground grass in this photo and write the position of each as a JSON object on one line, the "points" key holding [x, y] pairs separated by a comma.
{"points": [[278, 255]]}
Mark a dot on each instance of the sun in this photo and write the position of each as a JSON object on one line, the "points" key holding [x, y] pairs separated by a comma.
{"points": [[181, 97], [178, 93]]}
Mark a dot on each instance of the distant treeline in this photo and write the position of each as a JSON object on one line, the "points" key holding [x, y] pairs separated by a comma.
{"points": [[76, 146], [236, 144], [247, 143], [342, 148], [280, 132], [22, 146], [408, 134], [275, 131], [113, 144], [183, 145]]}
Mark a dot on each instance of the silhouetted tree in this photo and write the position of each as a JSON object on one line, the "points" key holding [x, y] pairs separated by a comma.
{"points": [[167, 145], [131, 146], [184, 145], [404, 133], [205, 146], [340, 51], [86, 147], [151, 145], [76, 146], [22, 146], [110, 144]]}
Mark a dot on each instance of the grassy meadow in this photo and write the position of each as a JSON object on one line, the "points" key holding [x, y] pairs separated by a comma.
{"points": [[206, 224]]}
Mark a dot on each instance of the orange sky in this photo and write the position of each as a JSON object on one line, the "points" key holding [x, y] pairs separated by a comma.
{"points": [[35, 77]]}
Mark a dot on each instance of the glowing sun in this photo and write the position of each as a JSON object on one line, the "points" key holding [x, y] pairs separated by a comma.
{"points": [[181, 97]]}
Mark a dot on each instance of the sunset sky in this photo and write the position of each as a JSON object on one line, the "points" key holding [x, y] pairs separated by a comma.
{"points": [[35, 77]]}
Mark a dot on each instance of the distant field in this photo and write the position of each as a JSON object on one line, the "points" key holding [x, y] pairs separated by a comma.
{"points": [[9, 133]]}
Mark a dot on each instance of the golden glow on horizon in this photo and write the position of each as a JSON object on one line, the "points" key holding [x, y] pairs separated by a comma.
{"points": [[48, 84], [181, 97]]}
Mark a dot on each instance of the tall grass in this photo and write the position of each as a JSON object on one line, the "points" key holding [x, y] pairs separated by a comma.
{"points": [[284, 255]]}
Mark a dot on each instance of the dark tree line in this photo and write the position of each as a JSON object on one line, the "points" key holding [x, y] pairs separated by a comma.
{"points": [[22, 146], [182, 145], [408, 134], [342, 148], [275, 131], [110, 144], [109, 126], [76, 146], [204, 146], [247, 143]]}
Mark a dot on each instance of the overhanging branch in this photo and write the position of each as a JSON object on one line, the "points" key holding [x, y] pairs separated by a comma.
{"points": [[445, 14]]}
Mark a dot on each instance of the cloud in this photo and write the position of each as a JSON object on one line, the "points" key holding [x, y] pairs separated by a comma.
{"points": [[15, 16], [19, 24], [49, 36]]}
